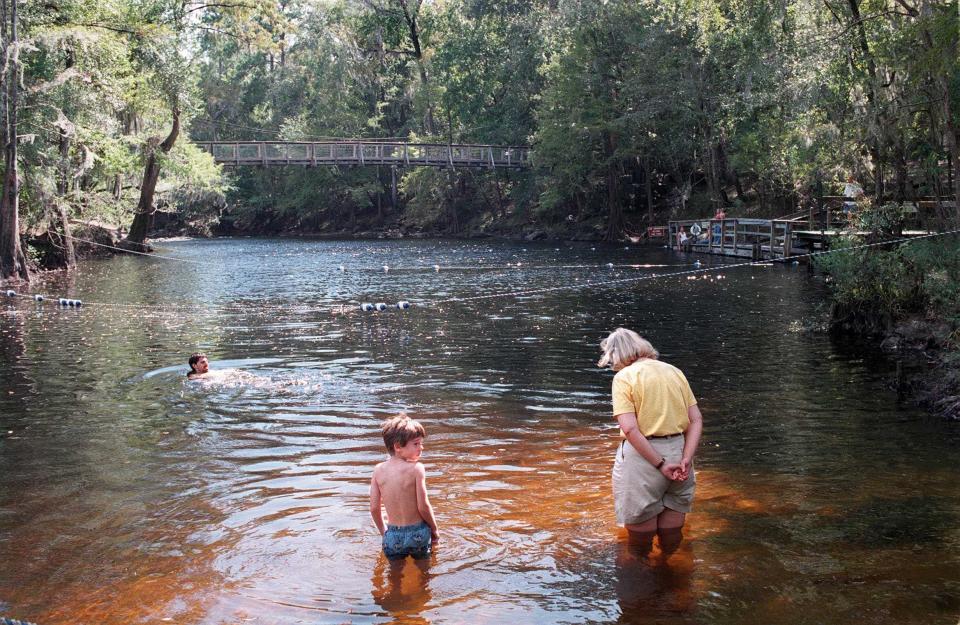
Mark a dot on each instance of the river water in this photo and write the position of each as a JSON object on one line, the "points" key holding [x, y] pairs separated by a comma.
{"points": [[129, 495]]}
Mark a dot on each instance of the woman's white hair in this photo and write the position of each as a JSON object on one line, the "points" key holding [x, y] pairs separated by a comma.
{"points": [[624, 347]]}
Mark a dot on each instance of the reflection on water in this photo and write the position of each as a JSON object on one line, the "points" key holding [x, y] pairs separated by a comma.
{"points": [[653, 586], [402, 588], [130, 495]]}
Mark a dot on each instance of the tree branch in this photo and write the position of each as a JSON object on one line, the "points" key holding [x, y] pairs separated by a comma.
{"points": [[224, 5]]}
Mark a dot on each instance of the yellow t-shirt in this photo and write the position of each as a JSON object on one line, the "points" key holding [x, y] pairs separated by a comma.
{"points": [[657, 393]]}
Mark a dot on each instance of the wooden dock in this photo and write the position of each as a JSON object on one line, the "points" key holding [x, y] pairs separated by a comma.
{"points": [[367, 152], [758, 239]]}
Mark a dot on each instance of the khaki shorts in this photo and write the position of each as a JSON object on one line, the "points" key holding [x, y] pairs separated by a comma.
{"points": [[641, 492]]}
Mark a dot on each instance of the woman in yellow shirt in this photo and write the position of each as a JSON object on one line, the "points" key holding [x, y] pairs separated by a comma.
{"points": [[660, 424]]}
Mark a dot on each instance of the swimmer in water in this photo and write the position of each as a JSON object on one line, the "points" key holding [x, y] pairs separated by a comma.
{"points": [[199, 366]]}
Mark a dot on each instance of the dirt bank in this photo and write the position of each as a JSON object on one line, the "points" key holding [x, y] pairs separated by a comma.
{"points": [[925, 351]]}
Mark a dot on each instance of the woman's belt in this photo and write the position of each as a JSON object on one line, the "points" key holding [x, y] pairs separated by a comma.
{"points": [[667, 435]]}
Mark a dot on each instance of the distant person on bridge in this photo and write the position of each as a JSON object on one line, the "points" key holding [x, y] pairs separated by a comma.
{"points": [[660, 425]]}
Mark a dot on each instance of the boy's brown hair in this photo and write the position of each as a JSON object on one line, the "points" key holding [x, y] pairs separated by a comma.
{"points": [[400, 430]]}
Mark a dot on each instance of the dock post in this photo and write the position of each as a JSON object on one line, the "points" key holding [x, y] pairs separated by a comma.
{"points": [[393, 187]]}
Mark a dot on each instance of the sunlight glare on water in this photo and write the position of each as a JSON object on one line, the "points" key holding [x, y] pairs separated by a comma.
{"points": [[129, 495]]}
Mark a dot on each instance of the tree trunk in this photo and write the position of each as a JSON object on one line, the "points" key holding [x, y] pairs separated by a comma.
{"points": [[13, 263], [952, 136], [70, 254], [145, 207], [63, 188], [875, 146], [648, 187], [951, 133], [739, 185], [414, 30]]}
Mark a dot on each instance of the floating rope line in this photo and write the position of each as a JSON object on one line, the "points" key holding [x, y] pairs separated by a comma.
{"points": [[518, 265], [756, 263], [347, 309], [385, 268], [121, 249]]}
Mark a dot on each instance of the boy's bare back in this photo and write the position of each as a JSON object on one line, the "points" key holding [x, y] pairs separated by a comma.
{"points": [[400, 486], [397, 481]]}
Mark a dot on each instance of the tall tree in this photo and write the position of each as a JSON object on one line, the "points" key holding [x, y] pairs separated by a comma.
{"points": [[13, 263]]}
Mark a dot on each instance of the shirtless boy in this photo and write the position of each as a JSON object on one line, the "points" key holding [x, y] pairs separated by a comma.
{"points": [[400, 485]]}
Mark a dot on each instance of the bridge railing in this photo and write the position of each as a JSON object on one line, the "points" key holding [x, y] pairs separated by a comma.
{"points": [[366, 153]]}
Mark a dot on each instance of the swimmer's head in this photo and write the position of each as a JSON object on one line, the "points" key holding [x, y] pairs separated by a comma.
{"points": [[198, 363], [399, 431], [624, 347]]}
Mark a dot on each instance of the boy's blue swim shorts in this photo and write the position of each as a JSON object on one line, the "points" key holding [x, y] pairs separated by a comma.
{"points": [[407, 540]]}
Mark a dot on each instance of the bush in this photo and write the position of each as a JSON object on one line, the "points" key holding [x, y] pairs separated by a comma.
{"points": [[920, 276]]}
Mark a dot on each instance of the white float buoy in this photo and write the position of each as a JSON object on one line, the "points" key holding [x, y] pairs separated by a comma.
{"points": [[38, 298], [342, 268], [10, 293], [386, 267], [366, 307], [696, 263], [609, 265], [403, 305], [436, 267], [380, 306]]}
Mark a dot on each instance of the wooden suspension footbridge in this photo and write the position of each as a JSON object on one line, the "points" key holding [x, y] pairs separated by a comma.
{"points": [[366, 152]]}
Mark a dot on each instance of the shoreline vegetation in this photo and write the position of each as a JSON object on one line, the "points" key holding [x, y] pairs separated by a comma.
{"points": [[635, 112]]}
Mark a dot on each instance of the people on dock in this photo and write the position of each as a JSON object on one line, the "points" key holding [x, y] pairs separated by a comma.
{"points": [[718, 217], [660, 424], [199, 366], [400, 486]]}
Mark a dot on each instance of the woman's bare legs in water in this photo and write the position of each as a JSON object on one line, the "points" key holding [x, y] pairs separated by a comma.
{"points": [[668, 525]]}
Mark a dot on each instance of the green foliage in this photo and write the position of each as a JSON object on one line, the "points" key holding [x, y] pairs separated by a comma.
{"points": [[907, 277], [704, 103], [882, 221]]}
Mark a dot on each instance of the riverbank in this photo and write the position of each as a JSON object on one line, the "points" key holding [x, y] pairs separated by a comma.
{"points": [[905, 299], [928, 364]]}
